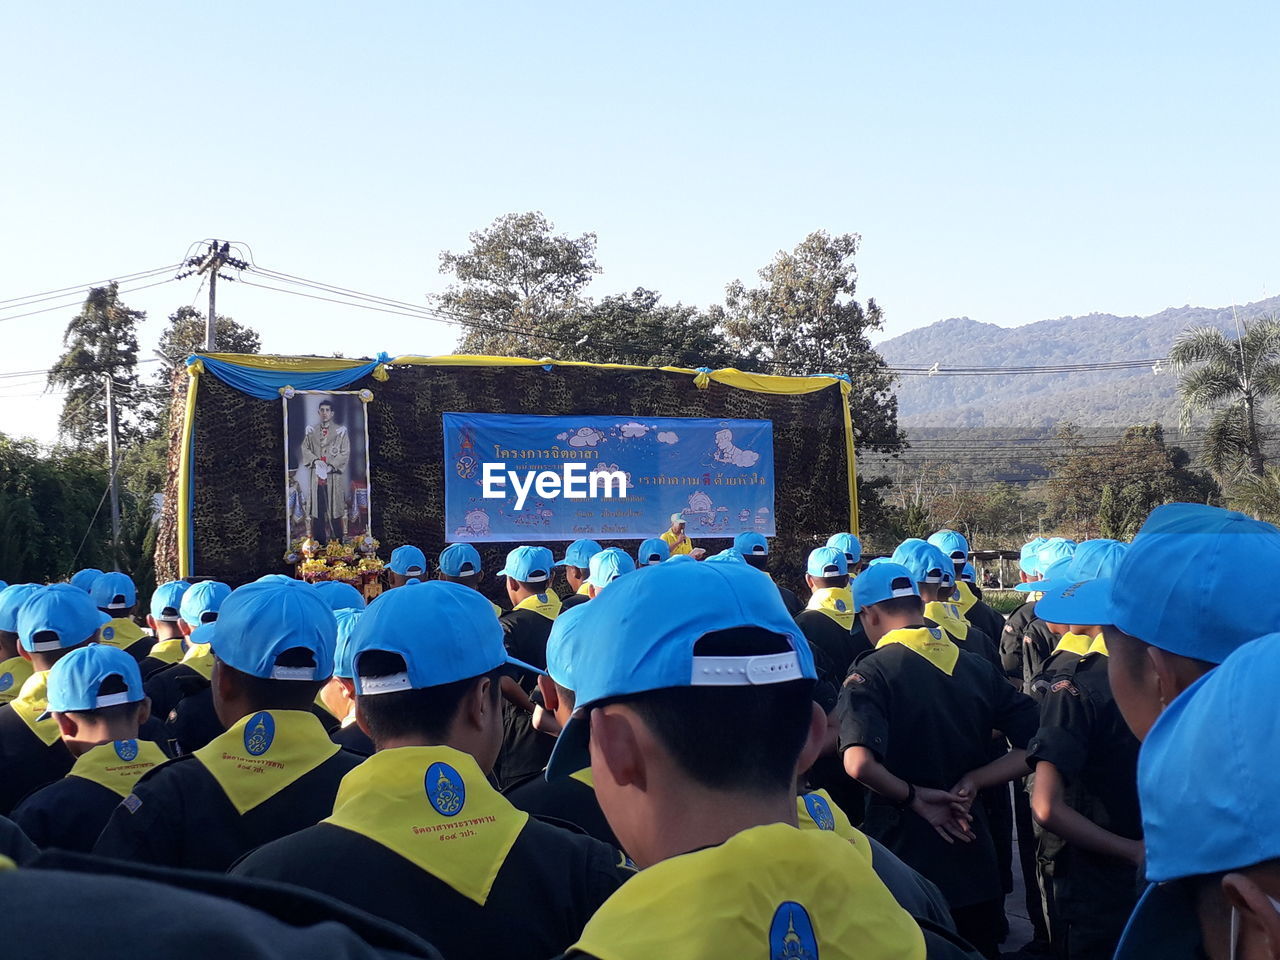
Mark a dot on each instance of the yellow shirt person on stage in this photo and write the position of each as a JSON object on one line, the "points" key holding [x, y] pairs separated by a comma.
{"points": [[678, 542]]}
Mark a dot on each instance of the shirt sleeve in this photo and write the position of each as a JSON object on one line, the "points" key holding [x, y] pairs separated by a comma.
{"points": [[1016, 714], [1066, 724], [142, 827], [1011, 649], [863, 711]]}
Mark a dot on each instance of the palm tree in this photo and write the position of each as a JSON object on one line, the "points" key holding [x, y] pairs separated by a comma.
{"points": [[1232, 379], [1258, 496]]}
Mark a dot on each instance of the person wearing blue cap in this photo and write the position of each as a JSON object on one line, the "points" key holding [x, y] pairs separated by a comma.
{"points": [[965, 591], [51, 622], [934, 573], [1084, 792], [1028, 640], [691, 663], [754, 548], [340, 595], [274, 770], [83, 579], [460, 563], [916, 716], [96, 699], [15, 669], [115, 595], [651, 551], [418, 835], [577, 568], [851, 547], [607, 566], [1208, 801], [179, 693], [339, 694], [165, 621], [407, 563], [534, 608]]}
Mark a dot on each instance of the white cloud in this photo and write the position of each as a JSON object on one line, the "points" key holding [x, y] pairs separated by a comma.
{"points": [[668, 436]]}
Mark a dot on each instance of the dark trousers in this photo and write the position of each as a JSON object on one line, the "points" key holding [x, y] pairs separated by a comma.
{"points": [[983, 925], [1028, 861]]}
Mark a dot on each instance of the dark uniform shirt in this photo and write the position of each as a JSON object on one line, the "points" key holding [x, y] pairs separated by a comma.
{"points": [[15, 844], [188, 726], [180, 815], [525, 750], [931, 729], [543, 888], [572, 601], [570, 800], [26, 762], [790, 600], [987, 619], [1083, 734], [152, 664], [351, 737], [835, 641], [1025, 643]]}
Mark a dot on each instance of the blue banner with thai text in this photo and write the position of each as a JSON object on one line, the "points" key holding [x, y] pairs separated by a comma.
{"points": [[517, 478]]}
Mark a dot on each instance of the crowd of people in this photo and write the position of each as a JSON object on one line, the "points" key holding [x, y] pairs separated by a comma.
{"points": [[677, 757]]}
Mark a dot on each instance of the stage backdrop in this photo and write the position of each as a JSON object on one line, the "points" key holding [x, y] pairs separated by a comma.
{"points": [[224, 516], [718, 473]]}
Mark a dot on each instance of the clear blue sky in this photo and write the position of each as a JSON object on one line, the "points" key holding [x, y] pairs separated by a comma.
{"points": [[1005, 161]]}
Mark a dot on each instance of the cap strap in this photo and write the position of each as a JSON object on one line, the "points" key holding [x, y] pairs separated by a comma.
{"points": [[293, 673], [388, 684], [746, 671], [113, 699], [44, 646]]}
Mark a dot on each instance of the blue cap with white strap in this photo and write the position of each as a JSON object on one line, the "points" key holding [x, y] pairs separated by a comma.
{"points": [[75, 681], [579, 554], [1029, 556], [202, 601], [260, 621], [114, 592], [1208, 800], [166, 601], [340, 596], [58, 617], [881, 582], [847, 544], [567, 646], [925, 561], [608, 565], [346, 620], [827, 562], [444, 632], [12, 598], [653, 550], [1068, 580], [408, 561], [646, 627], [460, 560], [84, 578], [952, 543], [968, 574], [530, 565], [751, 544]]}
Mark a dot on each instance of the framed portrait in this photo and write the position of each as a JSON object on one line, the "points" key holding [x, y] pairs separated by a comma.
{"points": [[326, 464]]}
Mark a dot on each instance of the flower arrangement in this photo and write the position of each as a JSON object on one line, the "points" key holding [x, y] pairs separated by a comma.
{"points": [[354, 561]]}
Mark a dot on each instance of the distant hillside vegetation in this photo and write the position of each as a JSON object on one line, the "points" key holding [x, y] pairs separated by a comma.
{"points": [[1095, 398]]}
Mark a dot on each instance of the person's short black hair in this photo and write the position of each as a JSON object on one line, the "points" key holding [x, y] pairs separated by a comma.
{"points": [[467, 579], [325, 403], [114, 683], [744, 739], [426, 713], [567, 697], [759, 561], [840, 581], [543, 587], [901, 606], [582, 572], [265, 694]]}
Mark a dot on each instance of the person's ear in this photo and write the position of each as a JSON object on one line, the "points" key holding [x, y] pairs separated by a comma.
{"points": [[361, 722], [144, 712], [615, 747], [184, 627], [151, 622], [815, 739], [480, 705], [22, 652], [809, 581], [591, 590], [1166, 675], [68, 729], [1257, 911], [348, 686], [550, 698]]}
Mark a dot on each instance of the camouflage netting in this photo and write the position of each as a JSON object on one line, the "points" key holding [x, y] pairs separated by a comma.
{"points": [[238, 482]]}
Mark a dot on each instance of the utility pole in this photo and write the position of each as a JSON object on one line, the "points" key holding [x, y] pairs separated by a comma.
{"points": [[115, 485], [216, 256]]}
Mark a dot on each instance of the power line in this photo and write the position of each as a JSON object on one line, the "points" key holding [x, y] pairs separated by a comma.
{"points": [[123, 278], [68, 305]]}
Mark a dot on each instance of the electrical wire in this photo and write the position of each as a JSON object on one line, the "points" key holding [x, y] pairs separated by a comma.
{"points": [[66, 306], [123, 278]]}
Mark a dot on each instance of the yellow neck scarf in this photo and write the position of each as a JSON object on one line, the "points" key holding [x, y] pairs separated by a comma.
{"points": [[836, 603], [1076, 643], [817, 811], [117, 765], [167, 651], [965, 597], [497, 610], [262, 754], [199, 657], [14, 672], [932, 644], [434, 807], [584, 776], [31, 701], [771, 891], [1099, 645], [582, 590], [547, 604], [947, 616], [120, 633]]}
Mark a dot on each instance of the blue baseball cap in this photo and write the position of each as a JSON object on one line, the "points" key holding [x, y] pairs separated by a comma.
{"points": [[952, 543], [114, 592], [443, 631], [645, 628], [528, 565], [847, 544], [340, 596], [881, 582], [568, 645], [1180, 584], [1066, 584], [827, 562], [347, 619], [1056, 570], [260, 621], [653, 550], [727, 555], [84, 578], [579, 554], [1208, 800], [968, 574], [1053, 550], [58, 617], [751, 544], [925, 561], [408, 561], [1029, 556], [74, 681], [460, 560], [12, 598], [202, 601], [608, 565], [167, 600]]}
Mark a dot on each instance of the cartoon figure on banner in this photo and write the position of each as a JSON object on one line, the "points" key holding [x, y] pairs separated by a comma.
{"points": [[700, 506], [536, 516], [727, 452], [466, 463], [477, 524], [762, 517]]}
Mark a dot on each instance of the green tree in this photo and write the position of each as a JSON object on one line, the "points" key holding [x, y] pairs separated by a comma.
{"points": [[1258, 496], [1231, 380], [519, 281], [184, 335], [101, 340]]}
